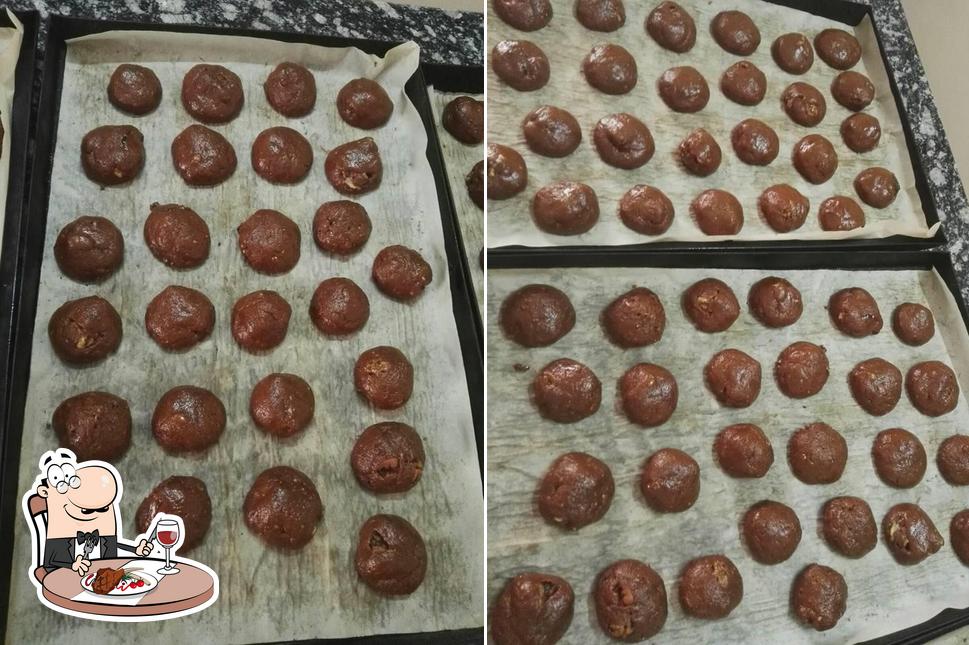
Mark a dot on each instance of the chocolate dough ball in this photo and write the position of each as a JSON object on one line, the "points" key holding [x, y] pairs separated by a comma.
{"points": [[600, 15], [913, 323], [89, 249], [630, 601], [953, 460], [281, 155], [840, 213], [341, 227], [817, 454], [744, 83], [861, 132], [775, 302], [877, 187], [623, 141], [959, 535], [566, 391], [524, 15], [684, 89], [177, 236], [848, 526], [507, 172], [854, 312], [899, 458], [710, 305], [819, 597], [391, 558], [771, 532], [576, 491], [94, 425], [635, 319], [401, 273], [755, 142], [610, 68], [783, 207], [384, 377], [463, 118], [339, 307], [910, 534], [649, 394], [180, 495], [735, 32], [853, 90], [363, 103], [260, 320], [536, 315], [700, 153], [212, 93], [815, 158], [733, 378], [85, 330], [565, 208], [551, 131], [283, 508], [838, 48], [710, 587], [291, 90], [282, 404], [670, 481], [113, 154], [932, 388], [188, 419], [646, 210], [388, 457], [179, 318], [804, 104], [793, 53], [521, 64], [202, 156], [671, 27], [474, 182], [876, 385], [717, 212], [801, 370], [743, 451], [269, 242], [354, 168], [532, 607], [134, 89]]}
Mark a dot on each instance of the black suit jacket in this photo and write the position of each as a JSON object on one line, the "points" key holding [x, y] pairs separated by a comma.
{"points": [[59, 552]]}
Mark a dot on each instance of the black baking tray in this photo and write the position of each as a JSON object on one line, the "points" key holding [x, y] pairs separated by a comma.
{"points": [[31, 246]]}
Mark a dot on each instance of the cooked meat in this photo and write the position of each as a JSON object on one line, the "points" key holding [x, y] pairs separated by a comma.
{"points": [[106, 580]]}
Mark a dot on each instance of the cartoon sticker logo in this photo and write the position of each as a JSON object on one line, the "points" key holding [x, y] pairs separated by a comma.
{"points": [[82, 566]]}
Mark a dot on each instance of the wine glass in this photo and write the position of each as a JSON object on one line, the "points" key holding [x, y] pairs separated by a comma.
{"points": [[167, 533]]}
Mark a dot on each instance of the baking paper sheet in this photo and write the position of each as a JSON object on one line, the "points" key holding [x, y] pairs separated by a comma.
{"points": [[882, 596], [566, 43], [459, 158], [265, 595], [10, 39]]}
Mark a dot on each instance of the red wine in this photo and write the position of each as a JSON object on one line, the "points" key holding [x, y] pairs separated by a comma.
{"points": [[167, 538]]}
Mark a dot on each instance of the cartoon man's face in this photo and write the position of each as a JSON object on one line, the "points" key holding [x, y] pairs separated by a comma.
{"points": [[79, 499]]}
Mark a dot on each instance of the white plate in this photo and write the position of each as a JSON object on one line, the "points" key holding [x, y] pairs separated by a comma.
{"points": [[124, 587]]}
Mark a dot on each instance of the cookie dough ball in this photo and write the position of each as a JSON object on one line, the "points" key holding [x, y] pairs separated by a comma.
{"points": [[646, 210], [521, 64], [474, 182], [898, 457], [819, 597], [134, 89], [793, 53], [565, 208], [363, 103], [202, 156], [113, 154], [401, 273], [283, 508], [775, 302], [711, 305], [671, 27], [861, 132], [815, 158], [388, 457], [670, 481], [600, 15], [854, 312], [339, 307], [291, 90], [85, 330], [260, 320], [804, 104], [623, 141], [848, 526], [177, 236], [717, 212], [354, 168], [532, 607], [281, 155], [566, 391], [700, 153], [853, 90], [212, 93], [771, 532], [341, 227], [384, 377], [630, 601], [877, 187], [635, 319], [735, 32], [840, 213], [743, 451], [507, 172], [838, 48], [94, 425], [524, 15], [188, 419], [910, 534], [801, 370], [684, 89], [179, 318], [187, 497], [576, 491], [536, 315], [744, 83], [913, 323], [733, 378], [953, 460], [464, 118], [89, 249], [551, 131], [611, 69], [649, 394], [783, 207], [817, 454], [932, 388], [959, 535], [282, 404], [269, 242], [391, 557], [710, 587], [755, 142], [876, 385]]}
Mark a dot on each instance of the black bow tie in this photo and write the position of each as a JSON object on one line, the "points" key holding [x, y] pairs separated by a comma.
{"points": [[84, 537]]}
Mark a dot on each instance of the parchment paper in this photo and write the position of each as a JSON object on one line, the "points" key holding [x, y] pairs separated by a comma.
{"points": [[10, 39], [265, 595], [882, 596], [566, 43], [459, 158]]}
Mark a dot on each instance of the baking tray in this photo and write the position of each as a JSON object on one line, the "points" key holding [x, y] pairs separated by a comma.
{"points": [[32, 225], [776, 259]]}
